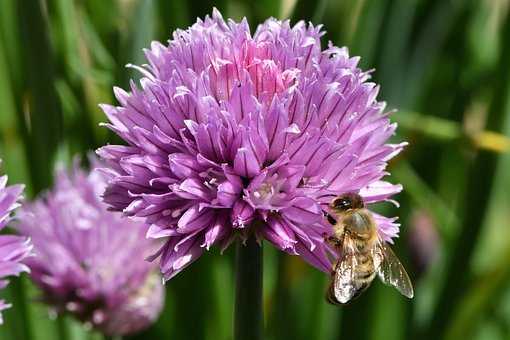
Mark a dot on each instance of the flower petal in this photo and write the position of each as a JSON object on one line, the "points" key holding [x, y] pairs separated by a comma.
{"points": [[172, 262], [303, 210]]}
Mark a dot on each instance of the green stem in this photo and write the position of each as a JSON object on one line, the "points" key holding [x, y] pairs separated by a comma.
{"points": [[280, 325], [62, 329], [43, 128], [112, 337], [248, 315], [18, 288]]}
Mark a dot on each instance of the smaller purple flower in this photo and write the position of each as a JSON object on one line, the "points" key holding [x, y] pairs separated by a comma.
{"points": [[13, 249], [90, 262]]}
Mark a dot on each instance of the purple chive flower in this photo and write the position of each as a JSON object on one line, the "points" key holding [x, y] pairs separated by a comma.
{"points": [[13, 249], [90, 262], [231, 127]]}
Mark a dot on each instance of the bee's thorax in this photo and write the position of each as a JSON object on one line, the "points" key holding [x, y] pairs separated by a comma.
{"points": [[360, 226]]}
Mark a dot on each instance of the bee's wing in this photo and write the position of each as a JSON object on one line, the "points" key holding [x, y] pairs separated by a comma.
{"points": [[391, 271], [344, 287]]}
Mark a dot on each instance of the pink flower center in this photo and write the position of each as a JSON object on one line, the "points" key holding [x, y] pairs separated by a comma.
{"points": [[266, 75]]}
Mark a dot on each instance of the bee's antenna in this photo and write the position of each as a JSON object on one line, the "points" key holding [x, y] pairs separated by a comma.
{"points": [[328, 216]]}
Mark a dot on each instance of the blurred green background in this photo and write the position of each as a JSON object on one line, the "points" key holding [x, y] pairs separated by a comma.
{"points": [[445, 64]]}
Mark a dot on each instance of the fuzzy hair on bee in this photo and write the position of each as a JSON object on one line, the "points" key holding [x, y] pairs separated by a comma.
{"points": [[363, 255]]}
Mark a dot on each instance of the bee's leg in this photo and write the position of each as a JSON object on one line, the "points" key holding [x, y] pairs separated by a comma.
{"points": [[332, 240], [339, 242]]}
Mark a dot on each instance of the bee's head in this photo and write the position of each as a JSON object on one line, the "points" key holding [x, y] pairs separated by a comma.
{"points": [[347, 201]]}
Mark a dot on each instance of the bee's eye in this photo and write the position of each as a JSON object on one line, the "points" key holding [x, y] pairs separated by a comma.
{"points": [[343, 204]]}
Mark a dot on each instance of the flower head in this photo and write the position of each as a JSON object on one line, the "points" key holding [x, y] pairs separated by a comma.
{"points": [[230, 127], [13, 249], [87, 259]]}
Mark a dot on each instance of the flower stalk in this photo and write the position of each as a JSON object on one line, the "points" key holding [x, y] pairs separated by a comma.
{"points": [[62, 329], [248, 314], [112, 337]]}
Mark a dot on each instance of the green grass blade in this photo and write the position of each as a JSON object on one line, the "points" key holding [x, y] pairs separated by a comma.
{"points": [[425, 197], [480, 180], [304, 10], [40, 104]]}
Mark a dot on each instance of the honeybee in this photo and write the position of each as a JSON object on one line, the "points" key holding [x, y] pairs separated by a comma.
{"points": [[363, 254]]}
